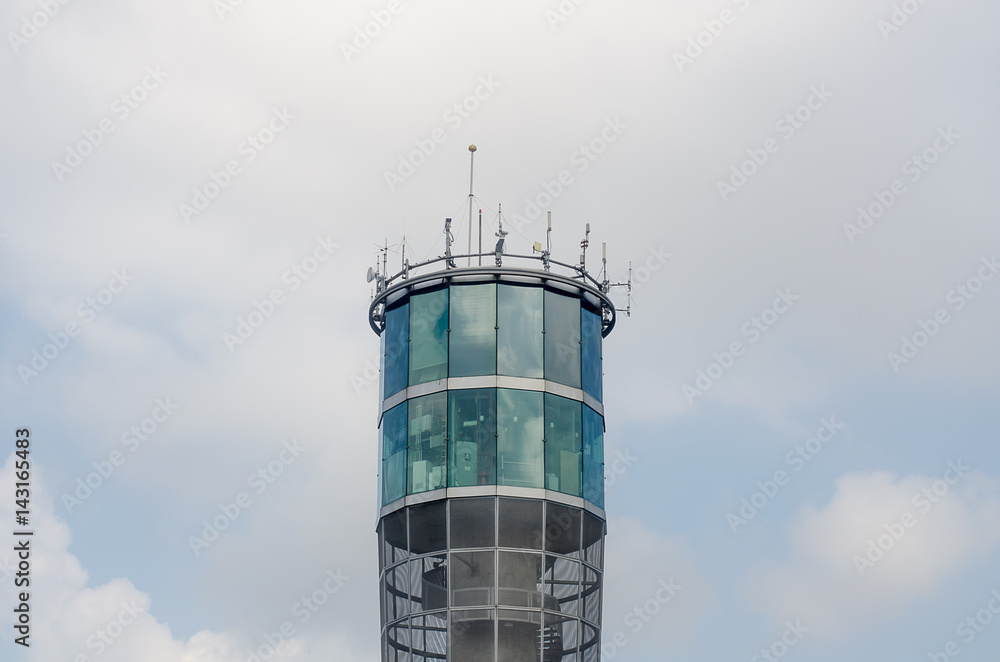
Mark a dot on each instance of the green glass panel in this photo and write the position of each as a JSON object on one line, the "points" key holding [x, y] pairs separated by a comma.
{"points": [[473, 337], [427, 450], [472, 441], [590, 324], [562, 339], [593, 457], [394, 454], [519, 331], [563, 445], [428, 337], [519, 438]]}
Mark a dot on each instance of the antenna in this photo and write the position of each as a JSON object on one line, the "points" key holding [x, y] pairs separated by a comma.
{"points": [[498, 251], [546, 254], [472, 163], [448, 238], [583, 247], [480, 237]]}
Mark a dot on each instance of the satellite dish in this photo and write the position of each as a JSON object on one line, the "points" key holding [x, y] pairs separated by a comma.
{"points": [[371, 274]]}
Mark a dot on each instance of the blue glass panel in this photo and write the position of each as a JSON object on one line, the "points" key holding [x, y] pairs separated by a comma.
{"points": [[519, 332], [519, 438], [395, 337], [472, 441], [590, 324], [473, 337], [593, 457]]}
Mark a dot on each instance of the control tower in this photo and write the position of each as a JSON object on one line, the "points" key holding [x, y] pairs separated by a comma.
{"points": [[491, 431]]}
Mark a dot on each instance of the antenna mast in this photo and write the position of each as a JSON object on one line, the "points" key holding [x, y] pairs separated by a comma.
{"points": [[472, 163]]}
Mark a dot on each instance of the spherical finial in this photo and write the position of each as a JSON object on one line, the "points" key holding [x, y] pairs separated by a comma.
{"points": [[472, 148]]}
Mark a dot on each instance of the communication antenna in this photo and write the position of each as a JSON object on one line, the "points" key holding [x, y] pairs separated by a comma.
{"points": [[546, 254], [606, 285], [583, 248], [480, 237], [472, 163], [498, 251], [448, 238]]}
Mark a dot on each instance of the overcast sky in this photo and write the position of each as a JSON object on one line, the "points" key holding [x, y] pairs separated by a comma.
{"points": [[803, 403]]}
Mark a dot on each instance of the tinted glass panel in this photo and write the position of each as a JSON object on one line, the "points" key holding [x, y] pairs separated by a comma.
{"points": [[562, 584], [427, 528], [563, 633], [519, 439], [590, 328], [427, 454], [472, 430], [593, 457], [428, 337], [473, 337], [473, 523], [428, 583], [472, 635], [591, 595], [562, 529], [521, 523], [472, 579], [519, 333], [395, 338], [394, 537], [593, 540], [563, 444], [562, 339], [394, 454], [519, 636], [520, 582]]}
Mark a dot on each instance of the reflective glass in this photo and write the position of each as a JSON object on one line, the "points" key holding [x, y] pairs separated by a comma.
{"points": [[428, 532], [520, 579], [472, 579], [519, 332], [519, 438], [563, 444], [593, 457], [562, 529], [562, 583], [428, 583], [428, 337], [519, 635], [429, 637], [593, 540], [590, 331], [472, 441], [562, 339], [395, 338], [473, 522], [472, 635], [394, 537], [591, 595], [473, 336], [394, 454], [427, 452], [520, 523], [561, 637]]}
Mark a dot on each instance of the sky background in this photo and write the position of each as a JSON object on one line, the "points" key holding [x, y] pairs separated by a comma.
{"points": [[649, 110]]}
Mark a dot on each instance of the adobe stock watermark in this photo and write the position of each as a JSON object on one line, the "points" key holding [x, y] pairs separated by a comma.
{"points": [[797, 460], [900, 16], [32, 24], [250, 148], [259, 480], [637, 619], [265, 308], [225, 7], [566, 8], [364, 34], [754, 329], [793, 634], [303, 609], [924, 501], [104, 637], [787, 127], [958, 297], [580, 160], [714, 28], [969, 628], [87, 310], [132, 439], [121, 109], [454, 117], [913, 169]]}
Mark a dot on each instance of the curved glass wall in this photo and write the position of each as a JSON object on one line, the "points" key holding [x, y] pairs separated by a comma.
{"points": [[448, 563], [486, 436], [492, 329]]}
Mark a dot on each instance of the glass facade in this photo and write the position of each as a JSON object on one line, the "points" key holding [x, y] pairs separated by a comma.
{"points": [[426, 450], [503, 602], [491, 329], [472, 429]]}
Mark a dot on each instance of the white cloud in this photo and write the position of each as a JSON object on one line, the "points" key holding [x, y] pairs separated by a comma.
{"points": [[836, 580]]}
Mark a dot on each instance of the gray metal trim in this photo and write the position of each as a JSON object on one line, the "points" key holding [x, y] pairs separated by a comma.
{"points": [[492, 490], [492, 381]]}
